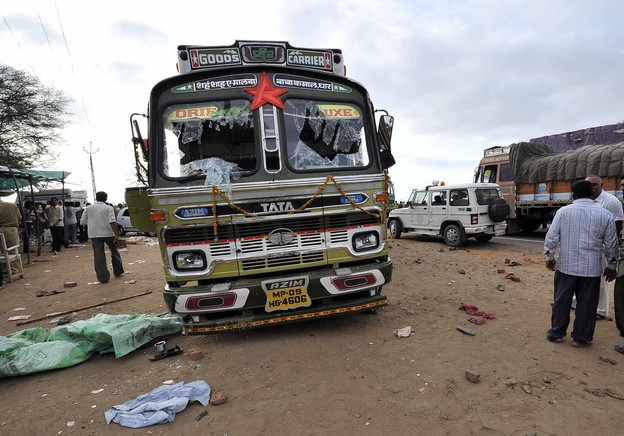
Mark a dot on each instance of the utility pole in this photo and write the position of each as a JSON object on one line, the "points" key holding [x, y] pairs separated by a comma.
{"points": [[91, 153]]}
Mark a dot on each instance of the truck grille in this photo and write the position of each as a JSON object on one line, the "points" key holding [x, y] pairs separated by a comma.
{"points": [[250, 239]]}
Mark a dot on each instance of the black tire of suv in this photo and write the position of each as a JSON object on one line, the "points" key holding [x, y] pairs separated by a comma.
{"points": [[395, 228], [498, 210], [453, 235], [120, 230]]}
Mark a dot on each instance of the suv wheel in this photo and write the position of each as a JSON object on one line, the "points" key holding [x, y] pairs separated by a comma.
{"points": [[395, 228], [120, 230], [498, 210], [453, 235]]}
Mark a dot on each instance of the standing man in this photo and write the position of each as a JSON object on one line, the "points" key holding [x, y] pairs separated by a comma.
{"points": [[57, 226], [613, 205], [102, 228], [579, 268]]}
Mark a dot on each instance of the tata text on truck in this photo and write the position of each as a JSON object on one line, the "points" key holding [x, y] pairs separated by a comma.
{"points": [[266, 184]]}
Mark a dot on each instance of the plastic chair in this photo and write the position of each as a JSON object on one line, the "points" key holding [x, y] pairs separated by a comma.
{"points": [[8, 255]]}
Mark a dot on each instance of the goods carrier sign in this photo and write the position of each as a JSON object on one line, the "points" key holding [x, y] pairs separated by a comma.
{"points": [[193, 58]]}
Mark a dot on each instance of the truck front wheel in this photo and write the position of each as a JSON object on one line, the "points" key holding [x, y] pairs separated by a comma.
{"points": [[453, 235], [395, 228]]}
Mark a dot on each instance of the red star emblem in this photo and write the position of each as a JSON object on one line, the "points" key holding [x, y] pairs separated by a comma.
{"points": [[265, 93]]}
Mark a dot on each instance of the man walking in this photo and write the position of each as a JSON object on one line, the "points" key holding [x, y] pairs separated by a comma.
{"points": [[102, 228], [583, 231]]}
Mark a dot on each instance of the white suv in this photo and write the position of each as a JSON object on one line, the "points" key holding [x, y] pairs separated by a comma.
{"points": [[457, 212], [124, 224]]}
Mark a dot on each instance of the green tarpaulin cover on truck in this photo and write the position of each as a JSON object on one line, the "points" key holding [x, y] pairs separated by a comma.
{"points": [[537, 163]]}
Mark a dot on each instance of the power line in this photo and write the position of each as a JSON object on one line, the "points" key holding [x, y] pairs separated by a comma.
{"points": [[11, 31]]}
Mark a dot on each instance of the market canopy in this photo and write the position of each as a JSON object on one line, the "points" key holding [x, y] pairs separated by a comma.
{"points": [[11, 178]]}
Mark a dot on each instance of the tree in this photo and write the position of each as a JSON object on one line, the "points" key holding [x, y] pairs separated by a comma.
{"points": [[31, 116]]}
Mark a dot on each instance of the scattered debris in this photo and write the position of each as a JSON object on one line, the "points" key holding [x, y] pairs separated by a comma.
{"points": [[50, 315], [48, 293], [527, 389], [70, 284], [218, 397], [466, 331], [500, 270], [18, 318], [619, 349], [404, 332], [501, 287], [472, 376], [201, 415], [605, 393], [195, 353], [461, 271], [419, 260], [474, 310], [608, 360], [512, 277], [167, 353], [130, 282], [514, 263]]}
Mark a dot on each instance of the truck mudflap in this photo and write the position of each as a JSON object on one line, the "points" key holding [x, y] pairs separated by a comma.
{"points": [[247, 304]]}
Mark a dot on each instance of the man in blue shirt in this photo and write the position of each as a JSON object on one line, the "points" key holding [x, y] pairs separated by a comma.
{"points": [[583, 231]]}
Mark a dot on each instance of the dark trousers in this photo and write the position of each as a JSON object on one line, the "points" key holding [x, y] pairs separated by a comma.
{"points": [[58, 236], [618, 302], [587, 291], [99, 258]]}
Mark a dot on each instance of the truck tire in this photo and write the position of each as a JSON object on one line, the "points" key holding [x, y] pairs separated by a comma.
{"points": [[498, 210], [395, 228], [453, 235], [529, 226]]}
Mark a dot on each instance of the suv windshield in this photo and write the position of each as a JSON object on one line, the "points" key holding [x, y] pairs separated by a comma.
{"points": [[202, 137], [324, 134], [485, 196]]}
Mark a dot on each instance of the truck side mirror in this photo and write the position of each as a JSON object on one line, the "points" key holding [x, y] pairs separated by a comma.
{"points": [[384, 133]]}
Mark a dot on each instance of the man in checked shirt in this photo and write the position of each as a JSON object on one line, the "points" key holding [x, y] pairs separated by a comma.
{"points": [[583, 231]]}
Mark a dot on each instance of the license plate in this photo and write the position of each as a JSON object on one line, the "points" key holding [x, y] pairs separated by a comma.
{"points": [[499, 232], [286, 294]]}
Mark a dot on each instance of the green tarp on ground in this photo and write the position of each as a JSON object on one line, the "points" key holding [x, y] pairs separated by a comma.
{"points": [[34, 350]]}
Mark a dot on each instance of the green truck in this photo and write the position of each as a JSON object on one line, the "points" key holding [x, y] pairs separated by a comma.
{"points": [[265, 178]]}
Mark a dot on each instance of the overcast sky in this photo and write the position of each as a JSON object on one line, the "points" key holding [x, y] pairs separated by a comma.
{"points": [[458, 76]]}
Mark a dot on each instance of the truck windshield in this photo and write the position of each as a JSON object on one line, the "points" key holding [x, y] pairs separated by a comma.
{"points": [[214, 134], [323, 134]]}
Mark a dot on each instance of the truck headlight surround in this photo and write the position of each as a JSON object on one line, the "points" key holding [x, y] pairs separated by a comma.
{"points": [[365, 241], [189, 260]]}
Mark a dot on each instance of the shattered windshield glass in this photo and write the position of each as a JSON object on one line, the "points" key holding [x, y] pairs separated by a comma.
{"points": [[213, 139], [322, 135]]}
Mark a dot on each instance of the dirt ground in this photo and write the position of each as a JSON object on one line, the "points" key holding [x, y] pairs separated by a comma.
{"points": [[344, 375]]}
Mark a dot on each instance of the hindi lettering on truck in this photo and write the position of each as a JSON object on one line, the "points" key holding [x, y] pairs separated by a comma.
{"points": [[265, 180]]}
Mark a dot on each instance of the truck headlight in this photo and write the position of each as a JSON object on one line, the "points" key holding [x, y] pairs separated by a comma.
{"points": [[189, 260], [365, 241]]}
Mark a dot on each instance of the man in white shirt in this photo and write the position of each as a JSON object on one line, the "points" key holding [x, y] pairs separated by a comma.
{"points": [[613, 205], [579, 267], [102, 228]]}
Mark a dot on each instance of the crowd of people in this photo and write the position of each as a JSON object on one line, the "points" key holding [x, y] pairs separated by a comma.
{"points": [[64, 225]]}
